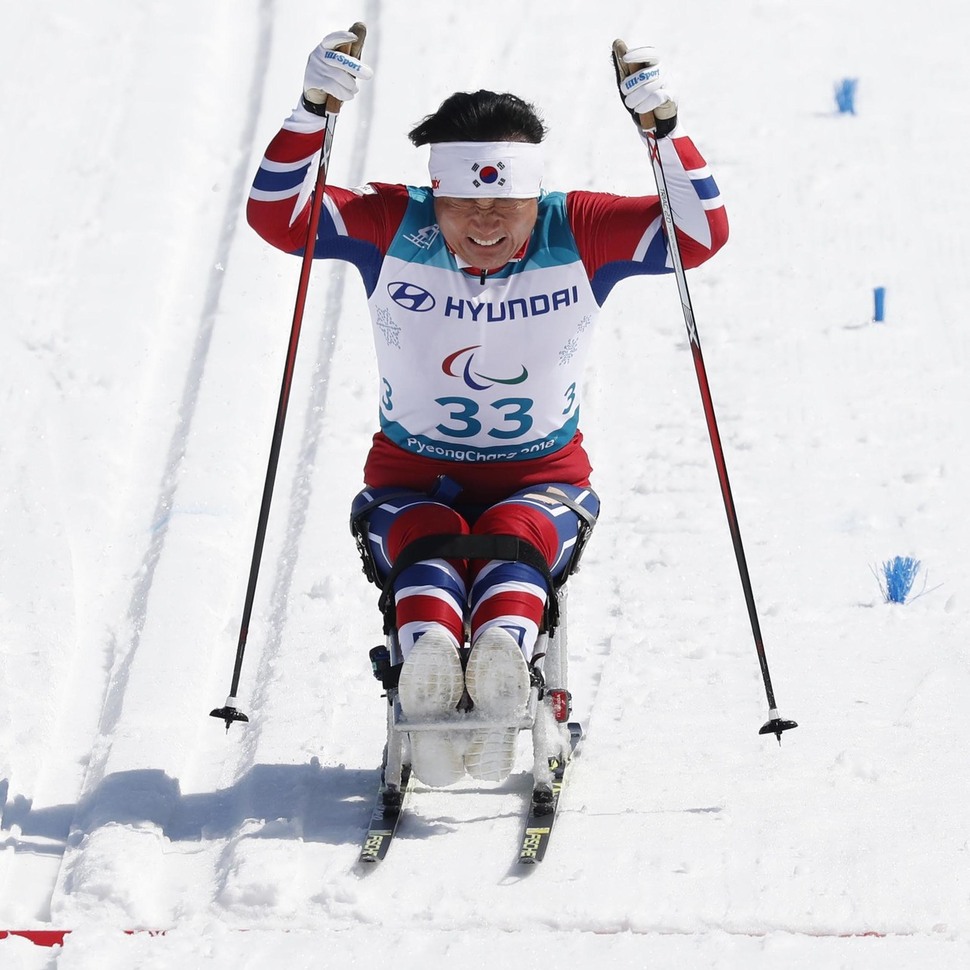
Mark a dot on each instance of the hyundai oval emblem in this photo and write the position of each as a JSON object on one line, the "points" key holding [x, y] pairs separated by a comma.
{"points": [[411, 297]]}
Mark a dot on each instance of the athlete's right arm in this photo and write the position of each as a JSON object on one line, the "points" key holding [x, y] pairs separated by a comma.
{"points": [[279, 201]]}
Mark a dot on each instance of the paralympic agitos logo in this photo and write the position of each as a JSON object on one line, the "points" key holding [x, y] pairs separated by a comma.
{"points": [[452, 366]]}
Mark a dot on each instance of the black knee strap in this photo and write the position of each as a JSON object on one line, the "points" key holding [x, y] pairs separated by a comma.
{"points": [[505, 548], [358, 528]]}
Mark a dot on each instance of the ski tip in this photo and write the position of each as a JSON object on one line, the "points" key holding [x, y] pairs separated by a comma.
{"points": [[776, 725]]}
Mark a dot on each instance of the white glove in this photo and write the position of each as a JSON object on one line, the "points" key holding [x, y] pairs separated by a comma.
{"points": [[332, 72], [643, 90]]}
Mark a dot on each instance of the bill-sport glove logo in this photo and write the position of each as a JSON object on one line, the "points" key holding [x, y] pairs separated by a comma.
{"points": [[641, 77], [411, 297], [344, 60]]}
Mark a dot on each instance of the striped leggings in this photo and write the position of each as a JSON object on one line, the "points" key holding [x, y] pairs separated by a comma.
{"points": [[448, 592]]}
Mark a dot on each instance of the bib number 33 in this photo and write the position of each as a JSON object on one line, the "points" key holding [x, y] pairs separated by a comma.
{"points": [[512, 420]]}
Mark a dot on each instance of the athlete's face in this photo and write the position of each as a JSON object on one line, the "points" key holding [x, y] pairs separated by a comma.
{"points": [[486, 233]]}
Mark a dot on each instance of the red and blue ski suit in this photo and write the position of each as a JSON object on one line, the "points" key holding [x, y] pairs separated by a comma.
{"points": [[481, 374]]}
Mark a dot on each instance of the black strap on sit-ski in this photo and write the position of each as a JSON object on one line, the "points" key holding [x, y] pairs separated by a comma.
{"points": [[502, 547], [358, 528]]}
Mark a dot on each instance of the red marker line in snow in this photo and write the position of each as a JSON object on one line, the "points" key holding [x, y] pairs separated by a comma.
{"points": [[56, 937]]}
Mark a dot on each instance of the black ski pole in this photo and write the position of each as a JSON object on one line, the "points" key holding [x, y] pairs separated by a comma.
{"points": [[775, 724], [230, 712]]}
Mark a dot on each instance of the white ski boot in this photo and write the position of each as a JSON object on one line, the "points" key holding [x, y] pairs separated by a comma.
{"points": [[497, 679], [430, 687]]}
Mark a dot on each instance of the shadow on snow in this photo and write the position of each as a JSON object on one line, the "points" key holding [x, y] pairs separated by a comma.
{"points": [[310, 802]]}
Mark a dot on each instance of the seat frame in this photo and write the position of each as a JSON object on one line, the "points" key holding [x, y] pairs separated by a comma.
{"points": [[546, 715]]}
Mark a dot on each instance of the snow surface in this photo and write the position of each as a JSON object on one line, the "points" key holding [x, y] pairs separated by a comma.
{"points": [[145, 328]]}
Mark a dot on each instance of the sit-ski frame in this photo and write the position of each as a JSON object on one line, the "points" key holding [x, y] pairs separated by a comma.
{"points": [[546, 713]]}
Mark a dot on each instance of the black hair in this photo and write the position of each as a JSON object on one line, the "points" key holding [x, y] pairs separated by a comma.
{"points": [[480, 116]]}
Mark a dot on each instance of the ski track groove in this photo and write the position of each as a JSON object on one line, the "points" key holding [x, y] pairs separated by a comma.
{"points": [[301, 490], [123, 659], [89, 204]]}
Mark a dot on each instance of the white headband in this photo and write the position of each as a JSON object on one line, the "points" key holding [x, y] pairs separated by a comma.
{"points": [[486, 169]]}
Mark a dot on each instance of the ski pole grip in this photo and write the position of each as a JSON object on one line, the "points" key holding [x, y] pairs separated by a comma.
{"points": [[334, 104], [647, 121]]}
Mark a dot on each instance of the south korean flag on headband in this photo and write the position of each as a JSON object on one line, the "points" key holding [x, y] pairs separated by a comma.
{"points": [[477, 169], [488, 174]]}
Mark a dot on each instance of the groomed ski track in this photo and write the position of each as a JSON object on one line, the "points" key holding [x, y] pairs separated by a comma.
{"points": [[167, 626], [146, 814]]}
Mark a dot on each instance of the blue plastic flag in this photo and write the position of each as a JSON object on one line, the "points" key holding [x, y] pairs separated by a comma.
{"points": [[879, 301], [845, 95]]}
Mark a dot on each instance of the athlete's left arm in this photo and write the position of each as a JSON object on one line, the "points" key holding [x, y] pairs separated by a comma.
{"points": [[620, 236]]}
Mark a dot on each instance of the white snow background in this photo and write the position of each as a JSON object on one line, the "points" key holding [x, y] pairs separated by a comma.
{"points": [[142, 345]]}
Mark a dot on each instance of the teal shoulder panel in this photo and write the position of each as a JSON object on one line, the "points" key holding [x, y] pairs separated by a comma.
{"points": [[419, 240], [553, 242]]}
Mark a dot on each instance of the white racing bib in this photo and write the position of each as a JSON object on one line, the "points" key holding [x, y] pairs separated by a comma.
{"points": [[478, 372]]}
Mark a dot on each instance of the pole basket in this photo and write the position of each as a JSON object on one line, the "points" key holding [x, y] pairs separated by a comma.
{"points": [[229, 713], [775, 725]]}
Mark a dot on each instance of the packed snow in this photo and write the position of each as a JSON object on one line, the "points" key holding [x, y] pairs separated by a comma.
{"points": [[145, 329]]}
